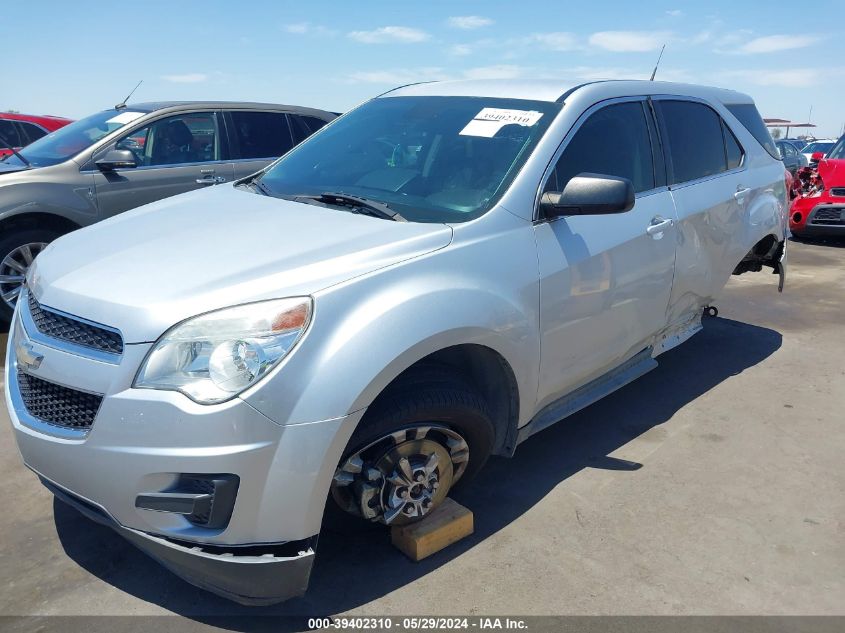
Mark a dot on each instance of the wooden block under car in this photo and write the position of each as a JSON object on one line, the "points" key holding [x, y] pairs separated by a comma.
{"points": [[447, 524]]}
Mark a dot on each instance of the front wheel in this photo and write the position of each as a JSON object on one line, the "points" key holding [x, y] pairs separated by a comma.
{"points": [[18, 250], [415, 443]]}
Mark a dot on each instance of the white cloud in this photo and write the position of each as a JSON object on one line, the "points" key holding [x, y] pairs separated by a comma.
{"points": [[398, 76], [460, 50], [558, 41], [779, 77], [468, 22], [630, 41], [188, 78], [775, 43], [499, 71], [306, 28], [675, 13], [390, 34]]}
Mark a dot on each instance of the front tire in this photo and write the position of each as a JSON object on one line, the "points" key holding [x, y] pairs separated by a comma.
{"points": [[421, 437], [18, 249]]}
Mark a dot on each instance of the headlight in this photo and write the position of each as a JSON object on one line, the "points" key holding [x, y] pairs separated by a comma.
{"points": [[214, 357]]}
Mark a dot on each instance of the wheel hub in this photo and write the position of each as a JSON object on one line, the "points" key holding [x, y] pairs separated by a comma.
{"points": [[403, 476], [13, 270]]}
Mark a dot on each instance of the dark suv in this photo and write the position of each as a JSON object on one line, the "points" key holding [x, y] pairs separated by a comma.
{"points": [[127, 156]]}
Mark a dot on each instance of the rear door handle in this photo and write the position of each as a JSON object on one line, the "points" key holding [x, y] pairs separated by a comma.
{"points": [[658, 226], [741, 192]]}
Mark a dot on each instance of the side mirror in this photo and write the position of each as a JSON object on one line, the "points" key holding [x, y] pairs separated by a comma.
{"points": [[589, 194], [117, 159]]}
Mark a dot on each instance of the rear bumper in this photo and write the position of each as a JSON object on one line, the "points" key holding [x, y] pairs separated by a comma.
{"points": [[261, 575]]}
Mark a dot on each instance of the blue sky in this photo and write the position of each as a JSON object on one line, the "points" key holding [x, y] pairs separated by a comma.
{"points": [[75, 57]]}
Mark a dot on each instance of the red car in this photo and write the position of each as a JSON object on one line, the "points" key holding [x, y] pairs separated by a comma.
{"points": [[19, 130], [818, 207]]}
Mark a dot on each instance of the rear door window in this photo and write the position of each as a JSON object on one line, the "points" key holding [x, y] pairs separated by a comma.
{"points": [[304, 126], [31, 132], [9, 134], [694, 135], [613, 141], [259, 135]]}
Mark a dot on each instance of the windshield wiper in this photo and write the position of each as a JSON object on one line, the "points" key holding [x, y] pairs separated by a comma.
{"points": [[261, 187], [9, 147], [360, 205]]}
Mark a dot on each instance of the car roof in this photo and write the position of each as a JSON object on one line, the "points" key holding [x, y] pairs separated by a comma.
{"points": [[558, 90], [34, 118], [155, 106]]}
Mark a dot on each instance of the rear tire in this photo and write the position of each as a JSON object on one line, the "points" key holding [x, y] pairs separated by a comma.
{"points": [[12, 259], [436, 415]]}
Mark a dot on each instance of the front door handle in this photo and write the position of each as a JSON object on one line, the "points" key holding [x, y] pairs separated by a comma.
{"points": [[658, 226], [210, 180]]}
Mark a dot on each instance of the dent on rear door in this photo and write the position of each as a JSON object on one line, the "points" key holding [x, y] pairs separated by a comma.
{"points": [[710, 223]]}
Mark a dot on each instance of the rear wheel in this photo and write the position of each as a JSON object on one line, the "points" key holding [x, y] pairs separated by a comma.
{"points": [[18, 249], [417, 441]]}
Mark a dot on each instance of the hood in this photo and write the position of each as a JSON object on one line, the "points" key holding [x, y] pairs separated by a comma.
{"points": [[832, 172], [148, 269]]}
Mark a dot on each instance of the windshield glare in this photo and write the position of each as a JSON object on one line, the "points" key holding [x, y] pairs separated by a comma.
{"points": [[812, 148], [68, 141], [432, 159]]}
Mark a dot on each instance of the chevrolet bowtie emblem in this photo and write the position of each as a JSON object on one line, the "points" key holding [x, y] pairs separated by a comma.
{"points": [[27, 356]]}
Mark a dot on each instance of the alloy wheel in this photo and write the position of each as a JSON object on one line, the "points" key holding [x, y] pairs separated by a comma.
{"points": [[13, 270], [402, 476]]}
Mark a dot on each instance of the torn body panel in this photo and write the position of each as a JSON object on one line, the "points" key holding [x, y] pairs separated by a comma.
{"points": [[768, 252]]}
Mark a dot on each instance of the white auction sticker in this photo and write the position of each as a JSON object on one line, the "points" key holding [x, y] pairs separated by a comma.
{"points": [[125, 117], [490, 120]]}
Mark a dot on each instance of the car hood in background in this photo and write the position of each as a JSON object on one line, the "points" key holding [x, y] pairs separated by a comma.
{"points": [[148, 269]]}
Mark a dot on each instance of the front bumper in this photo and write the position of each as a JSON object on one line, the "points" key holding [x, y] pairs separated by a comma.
{"points": [[254, 578], [142, 441], [824, 219]]}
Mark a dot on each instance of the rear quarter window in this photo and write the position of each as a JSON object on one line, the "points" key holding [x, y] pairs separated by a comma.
{"points": [[751, 120]]}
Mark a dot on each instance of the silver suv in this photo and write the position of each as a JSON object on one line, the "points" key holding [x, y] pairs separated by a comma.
{"points": [[428, 280], [127, 156]]}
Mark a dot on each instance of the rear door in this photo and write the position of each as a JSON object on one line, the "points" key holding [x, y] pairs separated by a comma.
{"points": [[712, 191], [256, 138], [605, 280], [175, 154]]}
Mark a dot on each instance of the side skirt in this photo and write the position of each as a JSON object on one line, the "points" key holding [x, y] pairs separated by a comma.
{"points": [[593, 391]]}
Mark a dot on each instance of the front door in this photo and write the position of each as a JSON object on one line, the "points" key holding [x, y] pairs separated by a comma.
{"points": [[174, 154], [605, 280]]}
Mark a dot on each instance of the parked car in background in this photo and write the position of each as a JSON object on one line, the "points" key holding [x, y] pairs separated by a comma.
{"points": [[823, 145], [19, 130], [436, 276], [792, 158], [125, 157], [818, 208], [799, 143]]}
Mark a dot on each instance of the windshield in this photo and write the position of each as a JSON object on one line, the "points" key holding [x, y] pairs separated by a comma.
{"points": [[838, 151], [68, 141], [812, 148], [431, 159]]}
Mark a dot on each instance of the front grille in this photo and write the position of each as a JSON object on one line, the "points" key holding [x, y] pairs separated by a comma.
{"points": [[74, 331], [828, 216], [57, 405], [839, 192]]}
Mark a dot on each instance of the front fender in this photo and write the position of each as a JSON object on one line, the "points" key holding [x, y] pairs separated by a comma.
{"points": [[368, 330]]}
